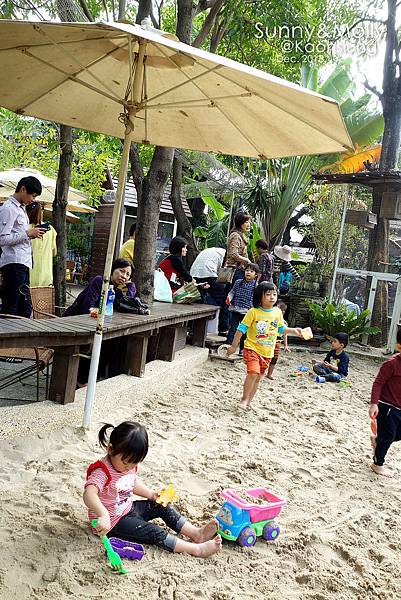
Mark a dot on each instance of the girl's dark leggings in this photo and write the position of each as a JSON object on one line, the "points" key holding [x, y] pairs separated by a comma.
{"points": [[135, 526], [388, 431]]}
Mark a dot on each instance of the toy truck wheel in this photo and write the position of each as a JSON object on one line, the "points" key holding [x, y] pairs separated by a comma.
{"points": [[247, 537], [271, 531]]}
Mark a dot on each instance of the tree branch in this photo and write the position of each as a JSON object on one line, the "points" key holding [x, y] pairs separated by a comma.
{"points": [[372, 89], [86, 10], [208, 24]]}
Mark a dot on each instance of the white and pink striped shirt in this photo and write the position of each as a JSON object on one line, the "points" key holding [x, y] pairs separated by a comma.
{"points": [[116, 489]]}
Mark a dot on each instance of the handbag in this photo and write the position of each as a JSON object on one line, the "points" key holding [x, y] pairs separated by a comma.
{"points": [[186, 294], [225, 275], [162, 290], [133, 306]]}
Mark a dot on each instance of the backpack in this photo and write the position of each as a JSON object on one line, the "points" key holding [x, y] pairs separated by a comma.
{"points": [[284, 282]]}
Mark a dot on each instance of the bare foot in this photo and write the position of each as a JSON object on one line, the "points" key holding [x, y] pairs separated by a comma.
{"points": [[209, 548], [381, 470], [244, 405], [207, 532], [270, 377]]}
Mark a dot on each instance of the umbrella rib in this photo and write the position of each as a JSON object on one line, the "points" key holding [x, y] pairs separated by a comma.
{"points": [[196, 102], [65, 43], [244, 135], [189, 79], [81, 66], [70, 77], [276, 105]]}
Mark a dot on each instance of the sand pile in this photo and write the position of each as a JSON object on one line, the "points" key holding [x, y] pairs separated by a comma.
{"points": [[309, 443]]}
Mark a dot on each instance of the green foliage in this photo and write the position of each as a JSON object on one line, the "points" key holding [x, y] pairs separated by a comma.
{"points": [[214, 235], [364, 124], [325, 210], [32, 143], [217, 208], [333, 318], [279, 187], [256, 34]]}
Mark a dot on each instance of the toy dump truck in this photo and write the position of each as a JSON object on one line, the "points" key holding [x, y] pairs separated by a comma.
{"points": [[248, 515]]}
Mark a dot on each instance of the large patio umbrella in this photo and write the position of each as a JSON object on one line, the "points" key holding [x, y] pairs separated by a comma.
{"points": [[132, 83], [76, 199]]}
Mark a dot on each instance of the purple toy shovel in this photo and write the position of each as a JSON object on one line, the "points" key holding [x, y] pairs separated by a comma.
{"points": [[126, 549]]}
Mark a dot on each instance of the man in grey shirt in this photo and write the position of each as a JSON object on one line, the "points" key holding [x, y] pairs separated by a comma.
{"points": [[15, 243]]}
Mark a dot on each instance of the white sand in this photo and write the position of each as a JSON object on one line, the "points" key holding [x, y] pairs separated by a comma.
{"points": [[307, 442]]}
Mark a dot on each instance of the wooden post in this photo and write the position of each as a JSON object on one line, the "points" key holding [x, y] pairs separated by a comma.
{"points": [[64, 374], [200, 330], [167, 343], [137, 346]]}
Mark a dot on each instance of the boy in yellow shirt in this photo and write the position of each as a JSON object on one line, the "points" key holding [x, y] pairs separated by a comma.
{"points": [[262, 324]]}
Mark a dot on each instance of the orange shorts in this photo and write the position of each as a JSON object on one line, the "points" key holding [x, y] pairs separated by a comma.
{"points": [[254, 362]]}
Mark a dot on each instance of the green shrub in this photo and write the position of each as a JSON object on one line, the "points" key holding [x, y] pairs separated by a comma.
{"points": [[333, 318]]}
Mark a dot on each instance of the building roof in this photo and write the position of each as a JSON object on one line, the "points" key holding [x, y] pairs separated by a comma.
{"points": [[131, 198], [366, 178]]}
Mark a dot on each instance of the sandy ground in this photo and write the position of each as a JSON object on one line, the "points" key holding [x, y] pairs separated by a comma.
{"points": [[309, 443]]}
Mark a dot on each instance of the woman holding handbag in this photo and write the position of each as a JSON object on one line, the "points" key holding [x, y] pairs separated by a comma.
{"points": [[236, 259]]}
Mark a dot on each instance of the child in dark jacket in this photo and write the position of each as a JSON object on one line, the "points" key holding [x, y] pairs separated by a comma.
{"points": [[336, 370], [385, 405], [240, 300]]}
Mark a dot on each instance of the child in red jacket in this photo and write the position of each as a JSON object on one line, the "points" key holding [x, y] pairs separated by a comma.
{"points": [[386, 406]]}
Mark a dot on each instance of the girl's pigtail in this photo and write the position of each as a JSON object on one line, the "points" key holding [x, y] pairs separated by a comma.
{"points": [[102, 435]]}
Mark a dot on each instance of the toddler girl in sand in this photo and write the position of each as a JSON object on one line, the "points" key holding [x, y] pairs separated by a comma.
{"points": [[110, 485], [262, 324]]}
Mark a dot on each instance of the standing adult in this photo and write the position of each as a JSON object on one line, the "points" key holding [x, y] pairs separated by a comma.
{"points": [[15, 242], [128, 249], [284, 272], [43, 249], [265, 261], [204, 269], [236, 258], [237, 245]]}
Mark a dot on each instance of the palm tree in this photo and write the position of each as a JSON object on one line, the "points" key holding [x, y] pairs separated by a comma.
{"points": [[273, 196]]}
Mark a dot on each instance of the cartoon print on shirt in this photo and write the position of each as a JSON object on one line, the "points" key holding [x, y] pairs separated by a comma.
{"points": [[261, 328], [124, 489], [266, 332]]}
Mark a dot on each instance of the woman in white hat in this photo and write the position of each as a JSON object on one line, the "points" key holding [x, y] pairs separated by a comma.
{"points": [[284, 268]]}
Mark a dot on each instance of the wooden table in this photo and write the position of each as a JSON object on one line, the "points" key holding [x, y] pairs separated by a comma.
{"points": [[145, 338]]}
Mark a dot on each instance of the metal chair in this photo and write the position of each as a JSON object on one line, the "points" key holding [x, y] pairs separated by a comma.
{"points": [[39, 358]]}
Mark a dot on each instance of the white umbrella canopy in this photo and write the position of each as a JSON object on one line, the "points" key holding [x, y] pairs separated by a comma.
{"points": [[76, 199], [79, 75], [6, 192], [140, 85]]}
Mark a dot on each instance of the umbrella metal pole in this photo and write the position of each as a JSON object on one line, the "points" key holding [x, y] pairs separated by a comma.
{"points": [[97, 342], [340, 241]]}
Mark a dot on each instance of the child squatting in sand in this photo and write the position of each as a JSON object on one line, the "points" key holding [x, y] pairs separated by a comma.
{"points": [[110, 485], [334, 372], [385, 405], [262, 324]]}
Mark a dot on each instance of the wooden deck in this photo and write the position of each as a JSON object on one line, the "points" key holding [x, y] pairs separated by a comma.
{"points": [[144, 338]]}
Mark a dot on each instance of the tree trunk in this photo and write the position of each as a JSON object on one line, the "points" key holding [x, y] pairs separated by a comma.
{"points": [[144, 10], [293, 222], [136, 170], [184, 225], [148, 220], [185, 15], [59, 210], [379, 236]]}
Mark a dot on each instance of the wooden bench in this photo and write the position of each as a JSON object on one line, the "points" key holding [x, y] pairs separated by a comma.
{"points": [[143, 338]]}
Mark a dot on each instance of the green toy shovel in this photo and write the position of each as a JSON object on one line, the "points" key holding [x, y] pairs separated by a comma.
{"points": [[115, 560]]}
